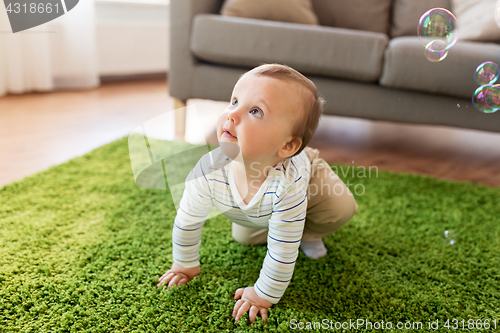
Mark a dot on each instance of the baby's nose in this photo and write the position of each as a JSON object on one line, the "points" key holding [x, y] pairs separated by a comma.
{"points": [[232, 115]]}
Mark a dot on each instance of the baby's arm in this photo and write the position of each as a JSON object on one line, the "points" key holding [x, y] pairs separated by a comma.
{"points": [[285, 232], [286, 226], [193, 210]]}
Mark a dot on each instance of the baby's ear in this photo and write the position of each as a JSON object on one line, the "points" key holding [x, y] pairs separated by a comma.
{"points": [[290, 148]]}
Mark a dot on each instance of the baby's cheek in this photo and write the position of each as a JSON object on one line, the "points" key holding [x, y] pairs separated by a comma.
{"points": [[220, 120]]}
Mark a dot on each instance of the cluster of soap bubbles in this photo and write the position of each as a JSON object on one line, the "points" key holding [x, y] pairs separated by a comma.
{"points": [[449, 237], [486, 98], [437, 29]]}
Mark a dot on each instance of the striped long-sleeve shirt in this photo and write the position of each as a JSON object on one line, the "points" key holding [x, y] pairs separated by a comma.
{"points": [[279, 205]]}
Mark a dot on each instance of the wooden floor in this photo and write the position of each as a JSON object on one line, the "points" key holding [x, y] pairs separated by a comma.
{"points": [[42, 129]]}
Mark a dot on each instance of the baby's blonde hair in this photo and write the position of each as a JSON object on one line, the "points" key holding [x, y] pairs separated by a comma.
{"points": [[306, 125]]}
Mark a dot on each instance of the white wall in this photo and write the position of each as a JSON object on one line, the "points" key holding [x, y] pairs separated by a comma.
{"points": [[132, 36]]}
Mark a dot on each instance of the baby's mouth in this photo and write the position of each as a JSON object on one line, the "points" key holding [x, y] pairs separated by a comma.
{"points": [[227, 134]]}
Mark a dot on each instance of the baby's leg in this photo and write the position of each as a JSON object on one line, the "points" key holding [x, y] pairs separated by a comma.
{"points": [[330, 202], [250, 236]]}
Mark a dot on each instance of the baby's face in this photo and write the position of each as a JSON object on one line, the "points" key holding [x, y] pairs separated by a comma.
{"points": [[260, 116]]}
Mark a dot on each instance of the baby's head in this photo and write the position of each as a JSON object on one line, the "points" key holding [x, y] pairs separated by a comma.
{"points": [[273, 113]]}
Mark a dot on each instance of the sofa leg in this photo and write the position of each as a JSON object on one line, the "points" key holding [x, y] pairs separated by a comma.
{"points": [[180, 119]]}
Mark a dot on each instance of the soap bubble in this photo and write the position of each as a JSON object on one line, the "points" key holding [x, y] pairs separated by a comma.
{"points": [[435, 51], [449, 237], [438, 24], [493, 96], [479, 99], [486, 73]]}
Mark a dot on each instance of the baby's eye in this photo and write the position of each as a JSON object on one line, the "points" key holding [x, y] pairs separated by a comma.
{"points": [[234, 101], [257, 111]]}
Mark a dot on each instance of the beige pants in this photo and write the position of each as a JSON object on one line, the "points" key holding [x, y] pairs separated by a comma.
{"points": [[330, 205]]}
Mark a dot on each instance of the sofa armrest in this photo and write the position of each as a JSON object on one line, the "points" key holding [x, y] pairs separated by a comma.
{"points": [[182, 62]]}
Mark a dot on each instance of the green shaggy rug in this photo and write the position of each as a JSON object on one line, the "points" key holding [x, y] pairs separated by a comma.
{"points": [[82, 247]]}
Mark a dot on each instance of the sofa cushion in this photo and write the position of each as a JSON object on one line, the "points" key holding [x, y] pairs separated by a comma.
{"points": [[406, 67], [310, 49], [368, 15], [476, 20], [407, 13], [295, 11]]}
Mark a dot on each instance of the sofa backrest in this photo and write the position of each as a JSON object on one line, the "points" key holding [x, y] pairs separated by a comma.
{"points": [[393, 17], [368, 15], [407, 13]]}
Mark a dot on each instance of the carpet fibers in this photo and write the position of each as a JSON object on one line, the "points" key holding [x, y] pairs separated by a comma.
{"points": [[82, 247]]}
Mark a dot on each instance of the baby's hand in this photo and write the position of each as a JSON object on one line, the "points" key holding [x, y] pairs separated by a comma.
{"points": [[178, 275], [250, 301]]}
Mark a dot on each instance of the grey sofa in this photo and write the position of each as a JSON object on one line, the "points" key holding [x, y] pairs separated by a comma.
{"points": [[362, 74]]}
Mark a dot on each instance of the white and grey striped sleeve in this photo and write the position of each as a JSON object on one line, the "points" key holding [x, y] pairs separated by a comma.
{"points": [[194, 208], [285, 232]]}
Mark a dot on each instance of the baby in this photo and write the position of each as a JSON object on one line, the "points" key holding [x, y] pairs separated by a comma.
{"points": [[268, 192]]}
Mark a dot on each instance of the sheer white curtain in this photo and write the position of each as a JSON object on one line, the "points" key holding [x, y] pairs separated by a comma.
{"points": [[60, 54]]}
